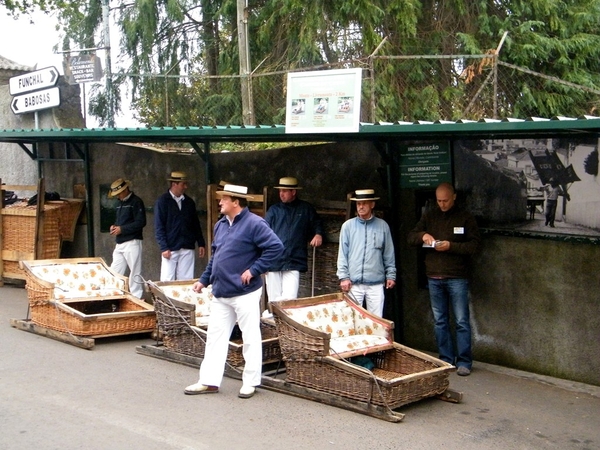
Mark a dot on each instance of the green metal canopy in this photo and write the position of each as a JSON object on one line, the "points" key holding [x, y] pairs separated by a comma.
{"points": [[381, 131]]}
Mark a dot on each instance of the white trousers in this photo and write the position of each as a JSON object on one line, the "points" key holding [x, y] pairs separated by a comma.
{"points": [[373, 295], [129, 254], [179, 267], [283, 285], [223, 314]]}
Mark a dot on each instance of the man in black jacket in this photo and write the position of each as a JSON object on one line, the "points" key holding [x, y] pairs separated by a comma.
{"points": [[296, 223], [128, 226], [450, 236]]}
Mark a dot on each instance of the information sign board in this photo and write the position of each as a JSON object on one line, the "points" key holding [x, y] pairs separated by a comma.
{"points": [[425, 165]]}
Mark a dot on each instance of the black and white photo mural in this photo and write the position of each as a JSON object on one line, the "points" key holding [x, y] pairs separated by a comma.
{"points": [[547, 185]]}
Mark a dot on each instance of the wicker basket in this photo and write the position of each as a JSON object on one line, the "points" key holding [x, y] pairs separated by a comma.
{"points": [[326, 280], [69, 211], [105, 317], [20, 236], [102, 315], [177, 322], [400, 375]]}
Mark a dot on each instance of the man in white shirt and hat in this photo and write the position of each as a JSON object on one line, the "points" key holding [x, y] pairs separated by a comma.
{"points": [[177, 229]]}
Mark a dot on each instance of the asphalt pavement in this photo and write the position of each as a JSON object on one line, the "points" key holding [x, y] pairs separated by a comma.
{"points": [[57, 396]]}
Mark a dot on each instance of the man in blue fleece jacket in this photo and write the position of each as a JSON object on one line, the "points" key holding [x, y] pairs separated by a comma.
{"points": [[243, 248], [366, 263]]}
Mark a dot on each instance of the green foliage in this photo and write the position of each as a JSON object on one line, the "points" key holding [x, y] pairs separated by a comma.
{"points": [[559, 38], [18, 7]]}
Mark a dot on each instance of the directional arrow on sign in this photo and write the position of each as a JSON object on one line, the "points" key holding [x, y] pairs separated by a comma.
{"points": [[34, 101], [33, 81]]}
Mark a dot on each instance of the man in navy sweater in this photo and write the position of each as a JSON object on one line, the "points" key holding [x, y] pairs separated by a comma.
{"points": [[243, 248], [177, 230], [296, 223]]}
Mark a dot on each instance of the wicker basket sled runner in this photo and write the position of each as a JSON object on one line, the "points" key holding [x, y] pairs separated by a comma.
{"points": [[321, 336], [182, 318], [80, 299]]}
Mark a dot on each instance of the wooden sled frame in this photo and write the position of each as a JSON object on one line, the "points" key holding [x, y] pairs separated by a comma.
{"points": [[272, 379]]}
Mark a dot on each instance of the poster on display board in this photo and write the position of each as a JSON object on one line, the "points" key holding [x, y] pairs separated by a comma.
{"points": [[541, 185], [325, 101]]}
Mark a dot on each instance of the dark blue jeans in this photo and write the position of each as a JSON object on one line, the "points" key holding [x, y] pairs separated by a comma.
{"points": [[447, 293]]}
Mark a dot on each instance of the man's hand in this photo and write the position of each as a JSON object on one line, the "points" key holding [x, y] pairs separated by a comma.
{"points": [[316, 241], [201, 252], [442, 246], [246, 277], [115, 230], [166, 254], [389, 284], [428, 239], [197, 287], [345, 285]]}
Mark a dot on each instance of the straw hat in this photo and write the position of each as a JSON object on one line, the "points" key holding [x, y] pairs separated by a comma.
{"points": [[233, 190], [178, 176], [363, 195], [117, 187], [287, 183]]}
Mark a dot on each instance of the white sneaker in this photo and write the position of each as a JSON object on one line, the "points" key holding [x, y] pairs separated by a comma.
{"points": [[199, 388], [246, 392]]}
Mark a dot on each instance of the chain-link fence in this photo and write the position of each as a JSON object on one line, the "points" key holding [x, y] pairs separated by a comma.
{"points": [[395, 88]]}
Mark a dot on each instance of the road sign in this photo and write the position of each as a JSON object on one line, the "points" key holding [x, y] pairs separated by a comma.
{"points": [[34, 101], [33, 81]]}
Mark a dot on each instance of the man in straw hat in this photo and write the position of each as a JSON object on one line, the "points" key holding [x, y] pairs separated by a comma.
{"points": [[127, 229], [296, 223], [177, 230], [366, 261], [243, 248]]}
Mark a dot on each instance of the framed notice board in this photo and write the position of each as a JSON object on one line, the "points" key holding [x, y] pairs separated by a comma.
{"points": [[426, 165]]}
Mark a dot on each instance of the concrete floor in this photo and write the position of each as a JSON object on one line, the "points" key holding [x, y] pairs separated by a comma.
{"points": [[57, 396]]}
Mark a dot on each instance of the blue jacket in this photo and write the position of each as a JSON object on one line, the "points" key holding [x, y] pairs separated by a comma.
{"points": [[131, 217], [295, 223], [176, 229], [248, 243], [366, 252]]}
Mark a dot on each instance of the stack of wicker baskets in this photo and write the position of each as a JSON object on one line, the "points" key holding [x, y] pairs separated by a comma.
{"points": [[25, 236]]}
